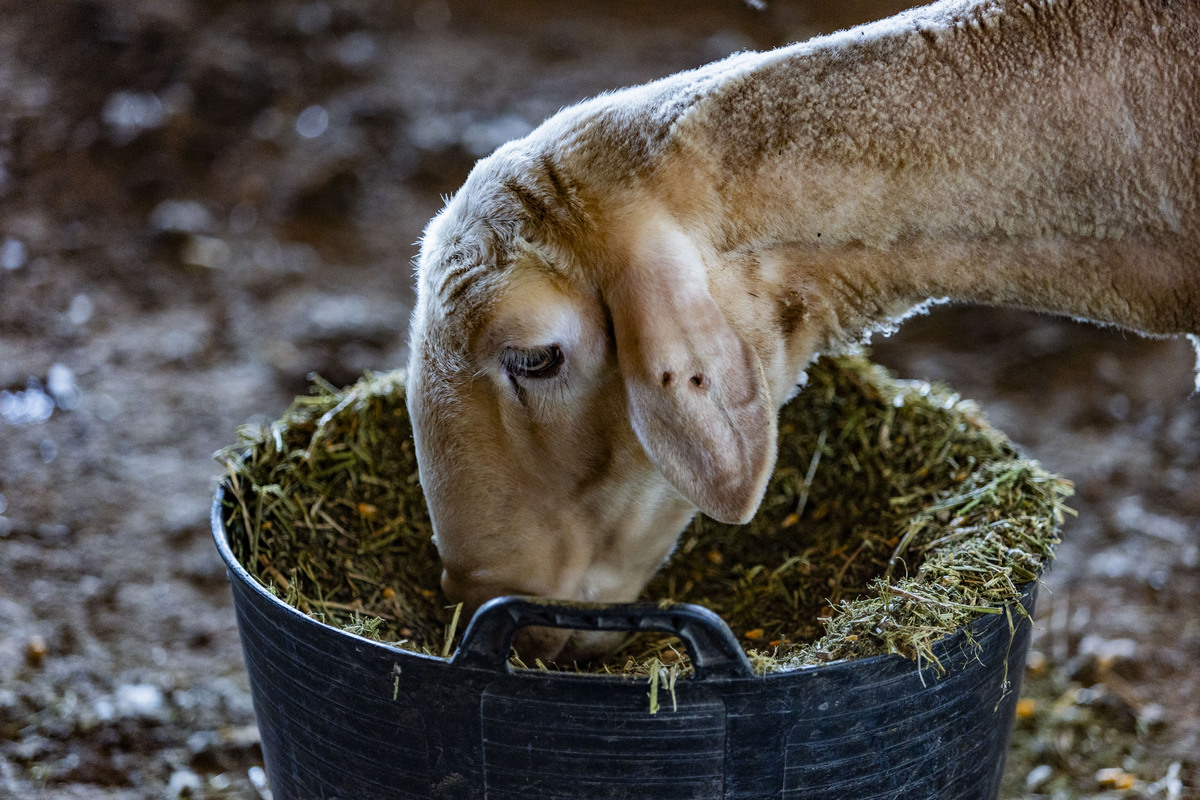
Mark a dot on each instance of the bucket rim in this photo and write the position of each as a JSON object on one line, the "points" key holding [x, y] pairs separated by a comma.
{"points": [[235, 570]]}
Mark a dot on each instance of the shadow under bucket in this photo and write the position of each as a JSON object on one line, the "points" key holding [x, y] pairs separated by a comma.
{"points": [[342, 716]]}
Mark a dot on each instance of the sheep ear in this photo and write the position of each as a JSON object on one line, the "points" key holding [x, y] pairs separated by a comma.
{"points": [[697, 395]]}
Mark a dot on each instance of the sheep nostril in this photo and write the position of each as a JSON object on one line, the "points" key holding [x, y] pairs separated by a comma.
{"points": [[666, 378], [700, 381]]}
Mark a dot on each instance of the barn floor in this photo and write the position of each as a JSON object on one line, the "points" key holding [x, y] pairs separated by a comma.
{"points": [[203, 202]]}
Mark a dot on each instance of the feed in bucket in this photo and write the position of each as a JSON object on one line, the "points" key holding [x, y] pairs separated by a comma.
{"points": [[895, 517]]}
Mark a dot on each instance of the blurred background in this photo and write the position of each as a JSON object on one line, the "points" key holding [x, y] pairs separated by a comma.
{"points": [[204, 201]]}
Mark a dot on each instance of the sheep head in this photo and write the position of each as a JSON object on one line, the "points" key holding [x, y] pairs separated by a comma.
{"points": [[575, 391]]}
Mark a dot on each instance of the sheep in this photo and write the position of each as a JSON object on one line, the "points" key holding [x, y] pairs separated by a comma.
{"points": [[611, 311]]}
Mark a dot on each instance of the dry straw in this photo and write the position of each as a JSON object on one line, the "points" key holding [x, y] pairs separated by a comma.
{"points": [[895, 516]]}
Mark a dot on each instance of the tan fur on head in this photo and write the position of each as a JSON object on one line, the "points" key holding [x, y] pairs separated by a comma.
{"points": [[573, 483], [611, 310]]}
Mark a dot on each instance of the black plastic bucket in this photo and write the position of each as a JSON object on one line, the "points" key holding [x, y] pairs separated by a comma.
{"points": [[344, 717]]}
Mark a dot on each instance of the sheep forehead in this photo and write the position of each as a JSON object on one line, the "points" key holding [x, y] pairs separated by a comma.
{"points": [[480, 235], [472, 261], [459, 252]]}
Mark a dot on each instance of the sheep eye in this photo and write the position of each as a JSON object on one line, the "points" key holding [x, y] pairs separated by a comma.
{"points": [[533, 362]]}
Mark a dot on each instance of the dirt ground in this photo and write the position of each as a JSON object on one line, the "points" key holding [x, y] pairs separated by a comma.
{"points": [[203, 202]]}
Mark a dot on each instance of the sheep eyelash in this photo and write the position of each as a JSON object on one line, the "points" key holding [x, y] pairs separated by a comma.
{"points": [[533, 362]]}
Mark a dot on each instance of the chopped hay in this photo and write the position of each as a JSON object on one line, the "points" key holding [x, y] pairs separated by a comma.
{"points": [[895, 516]]}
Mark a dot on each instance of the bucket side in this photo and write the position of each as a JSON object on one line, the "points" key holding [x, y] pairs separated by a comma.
{"points": [[338, 716], [899, 731]]}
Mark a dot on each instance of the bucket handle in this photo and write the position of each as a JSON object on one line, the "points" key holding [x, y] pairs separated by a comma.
{"points": [[714, 652]]}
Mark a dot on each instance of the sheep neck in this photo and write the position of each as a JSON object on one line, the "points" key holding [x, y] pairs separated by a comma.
{"points": [[1039, 155]]}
